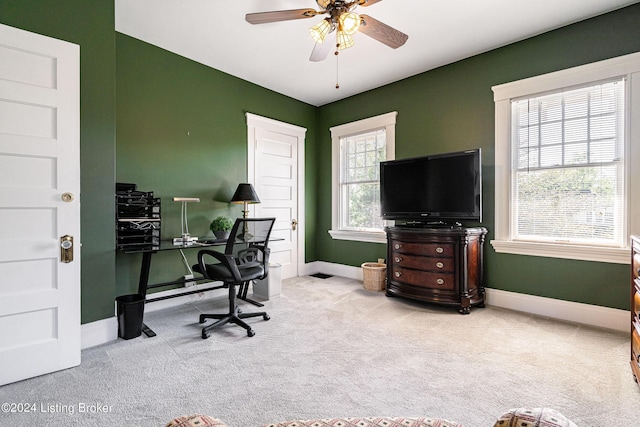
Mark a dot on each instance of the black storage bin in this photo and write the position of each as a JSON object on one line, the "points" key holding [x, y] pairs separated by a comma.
{"points": [[130, 313]]}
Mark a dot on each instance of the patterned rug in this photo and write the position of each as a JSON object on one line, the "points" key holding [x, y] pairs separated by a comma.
{"points": [[369, 422], [198, 420]]}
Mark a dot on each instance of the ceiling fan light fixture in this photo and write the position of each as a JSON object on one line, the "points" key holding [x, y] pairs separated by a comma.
{"points": [[323, 3], [349, 22], [320, 30], [344, 40]]}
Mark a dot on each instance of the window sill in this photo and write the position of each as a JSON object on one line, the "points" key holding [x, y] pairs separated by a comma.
{"points": [[554, 250], [359, 236]]}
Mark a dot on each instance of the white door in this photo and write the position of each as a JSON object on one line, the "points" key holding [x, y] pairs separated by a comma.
{"points": [[276, 166], [39, 203]]}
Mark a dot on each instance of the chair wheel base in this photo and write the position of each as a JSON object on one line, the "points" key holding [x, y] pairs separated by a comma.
{"points": [[233, 317]]}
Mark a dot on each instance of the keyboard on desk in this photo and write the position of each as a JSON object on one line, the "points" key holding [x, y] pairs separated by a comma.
{"points": [[211, 241]]}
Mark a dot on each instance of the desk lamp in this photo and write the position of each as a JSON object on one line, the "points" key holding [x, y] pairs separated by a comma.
{"points": [[184, 221], [245, 194]]}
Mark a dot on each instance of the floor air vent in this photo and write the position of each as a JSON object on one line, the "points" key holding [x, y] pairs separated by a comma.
{"points": [[321, 275]]}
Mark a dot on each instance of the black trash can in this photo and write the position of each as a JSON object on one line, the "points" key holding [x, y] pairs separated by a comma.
{"points": [[130, 313]]}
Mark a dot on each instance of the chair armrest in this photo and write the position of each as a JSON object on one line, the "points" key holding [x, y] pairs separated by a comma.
{"points": [[266, 252], [228, 261]]}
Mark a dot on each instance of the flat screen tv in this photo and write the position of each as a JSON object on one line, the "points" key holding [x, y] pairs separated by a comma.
{"points": [[437, 189]]}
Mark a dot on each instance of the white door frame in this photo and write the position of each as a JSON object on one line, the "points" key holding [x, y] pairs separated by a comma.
{"points": [[254, 121]]}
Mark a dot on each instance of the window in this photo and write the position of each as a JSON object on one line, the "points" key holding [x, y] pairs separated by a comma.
{"points": [[568, 166], [358, 148], [564, 143], [360, 180]]}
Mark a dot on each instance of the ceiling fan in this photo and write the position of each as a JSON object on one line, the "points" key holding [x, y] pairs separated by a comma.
{"points": [[342, 19]]}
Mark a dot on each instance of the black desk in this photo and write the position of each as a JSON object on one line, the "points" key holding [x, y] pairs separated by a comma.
{"points": [[143, 283], [145, 267]]}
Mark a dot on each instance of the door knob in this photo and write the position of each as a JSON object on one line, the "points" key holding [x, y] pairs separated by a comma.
{"points": [[294, 224]]}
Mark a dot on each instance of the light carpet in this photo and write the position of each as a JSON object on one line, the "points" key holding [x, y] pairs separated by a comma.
{"points": [[334, 349]]}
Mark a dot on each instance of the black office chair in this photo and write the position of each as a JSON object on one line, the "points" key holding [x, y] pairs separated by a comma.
{"points": [[245, 258]]}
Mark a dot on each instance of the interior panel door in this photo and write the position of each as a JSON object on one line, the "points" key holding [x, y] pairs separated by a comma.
{"points": [[39, 205], [275, 174]]}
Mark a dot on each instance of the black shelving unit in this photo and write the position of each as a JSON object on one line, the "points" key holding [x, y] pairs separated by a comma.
{"points": [[138, 218]]}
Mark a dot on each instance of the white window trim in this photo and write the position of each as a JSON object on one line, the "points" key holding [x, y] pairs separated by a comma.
{"points": [[627, 66], [386, 121]]}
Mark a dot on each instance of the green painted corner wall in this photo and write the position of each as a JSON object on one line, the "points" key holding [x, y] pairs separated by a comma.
{"points": [[451, 108], [94, 34], [182, 132]]}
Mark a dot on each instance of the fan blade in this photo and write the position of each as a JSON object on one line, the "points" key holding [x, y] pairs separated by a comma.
{"points": [[279, 15], [321, 50], [367, 2], [382, 32]]}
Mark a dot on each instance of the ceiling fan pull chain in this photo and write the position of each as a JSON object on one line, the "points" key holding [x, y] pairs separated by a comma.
{"points": [[337, 68]]}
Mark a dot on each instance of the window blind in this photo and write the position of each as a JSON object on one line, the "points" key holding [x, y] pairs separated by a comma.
{"points": [[568, 163]]}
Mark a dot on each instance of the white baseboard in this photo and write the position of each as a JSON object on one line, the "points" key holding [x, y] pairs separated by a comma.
{"points": [[98, 332], [341, 270], [592, 315], [105, 330], [587, 314]]}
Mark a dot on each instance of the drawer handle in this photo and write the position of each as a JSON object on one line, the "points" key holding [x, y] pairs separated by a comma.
{"points": [[440, 281], [439, 264], [398, 274], [439, 250], [398, 259], [397, 246]]}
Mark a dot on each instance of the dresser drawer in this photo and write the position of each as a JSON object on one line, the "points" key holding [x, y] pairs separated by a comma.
{"points": [[425, 279], [426, 249], [423, 262], [635, 269], [636, 304]]}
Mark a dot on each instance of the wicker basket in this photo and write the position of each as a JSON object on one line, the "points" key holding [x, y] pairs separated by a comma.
{"points": [[374, 274]]}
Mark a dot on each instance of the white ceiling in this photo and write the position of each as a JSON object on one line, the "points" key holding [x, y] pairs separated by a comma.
{"points": [[276, 55]]}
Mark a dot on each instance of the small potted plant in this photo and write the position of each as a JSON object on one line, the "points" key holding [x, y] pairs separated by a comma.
{"points": [[221, 226]]}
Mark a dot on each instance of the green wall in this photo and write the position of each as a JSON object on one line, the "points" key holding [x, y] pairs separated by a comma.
{"points": [[182, 132], [451, 108], [89, 24]]}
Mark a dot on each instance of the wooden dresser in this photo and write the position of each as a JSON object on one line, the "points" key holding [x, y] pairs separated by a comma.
{"points": [[635, 306], [436, 265]]}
